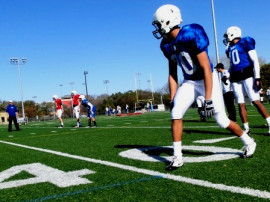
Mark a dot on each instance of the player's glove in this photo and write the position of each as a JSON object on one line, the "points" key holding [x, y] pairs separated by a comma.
{"points": [[208, 108], [171, 105], [257, 84], [224, 80]]}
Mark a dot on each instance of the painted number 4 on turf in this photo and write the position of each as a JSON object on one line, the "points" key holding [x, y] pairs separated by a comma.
{"points": [[42, 173]]}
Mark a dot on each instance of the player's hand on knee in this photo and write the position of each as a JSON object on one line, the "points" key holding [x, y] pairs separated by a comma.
{"points": [[208, 108]]}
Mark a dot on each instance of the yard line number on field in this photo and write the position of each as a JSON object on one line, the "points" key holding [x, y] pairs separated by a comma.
{"points": [[222, 187]]}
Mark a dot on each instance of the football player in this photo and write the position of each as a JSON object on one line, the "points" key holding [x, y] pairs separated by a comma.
{"points": [[244, 72], [91, 110], [187, 47], [227, 91], [76, 107], [59, 109]]}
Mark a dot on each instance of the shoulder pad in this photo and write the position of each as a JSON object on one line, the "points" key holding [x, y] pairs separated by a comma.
{"points": [[194, 34], [248, 43]]}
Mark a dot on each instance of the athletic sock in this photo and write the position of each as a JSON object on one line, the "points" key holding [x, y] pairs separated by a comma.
{"points": [[177, 149], [268, 122], [246, 139], [95, 124], [246, 126]]}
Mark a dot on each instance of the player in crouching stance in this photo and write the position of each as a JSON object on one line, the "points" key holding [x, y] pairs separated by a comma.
{"points": [[244, 72], [187, 47], [76, 106], [59, 109], [91, 110]]}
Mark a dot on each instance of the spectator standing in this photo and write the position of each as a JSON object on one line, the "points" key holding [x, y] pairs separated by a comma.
{"points": [[127, 111], [12, 115]]}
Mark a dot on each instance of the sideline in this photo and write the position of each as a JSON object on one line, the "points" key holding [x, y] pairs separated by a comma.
{"points": [[221, 187]]}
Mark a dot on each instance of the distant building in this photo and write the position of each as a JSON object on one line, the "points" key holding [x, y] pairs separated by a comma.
{"points": [[67, 100], [3, 118]]}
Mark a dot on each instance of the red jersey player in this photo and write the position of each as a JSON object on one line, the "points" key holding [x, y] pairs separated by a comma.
{"points": [[59, 109], [76, 107]]}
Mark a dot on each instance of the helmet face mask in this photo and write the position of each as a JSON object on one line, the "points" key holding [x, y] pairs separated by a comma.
{"points": [[165, 19], [225, 40], [158, 33]]}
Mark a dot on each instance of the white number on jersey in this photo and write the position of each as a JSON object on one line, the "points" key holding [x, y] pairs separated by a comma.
{"points": [[185, 61], [235, 57]]}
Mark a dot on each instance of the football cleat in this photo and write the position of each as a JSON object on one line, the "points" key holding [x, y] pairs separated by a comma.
{"points": [[175, 164], [248, 150], [61, 126]]}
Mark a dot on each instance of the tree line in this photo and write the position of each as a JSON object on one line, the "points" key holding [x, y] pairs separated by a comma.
{"points": [[33, 109]]}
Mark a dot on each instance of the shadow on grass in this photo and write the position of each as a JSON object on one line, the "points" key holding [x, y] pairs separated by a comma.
{"points": [[159, 153], [225, 132]]}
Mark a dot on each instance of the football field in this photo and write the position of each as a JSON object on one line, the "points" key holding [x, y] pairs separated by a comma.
{"points": [[124, 159]]}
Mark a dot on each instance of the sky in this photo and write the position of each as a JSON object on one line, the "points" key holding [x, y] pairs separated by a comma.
{"points": [[111, 39]]}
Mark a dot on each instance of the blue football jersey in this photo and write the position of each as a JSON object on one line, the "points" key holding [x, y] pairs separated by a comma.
{"points": [[190, 41], [86, 104], [238, 54]]}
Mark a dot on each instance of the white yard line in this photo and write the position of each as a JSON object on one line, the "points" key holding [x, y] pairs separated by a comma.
{"points": [[222, 187], [134, 127], [213, 140]]}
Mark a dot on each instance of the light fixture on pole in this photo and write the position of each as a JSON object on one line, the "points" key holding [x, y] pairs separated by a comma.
{"points": [[106, 83], [61, 85], [85, 82], [18, 62], [34, 97]]}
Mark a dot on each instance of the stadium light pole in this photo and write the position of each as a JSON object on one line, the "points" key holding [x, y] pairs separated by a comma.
{"points": [[18, 62], [106, 83], [36, 105], [139, 74], [136, 91], [85, 82], [215, 30]]}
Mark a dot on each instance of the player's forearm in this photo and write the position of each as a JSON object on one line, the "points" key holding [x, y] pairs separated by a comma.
{"points": [[172, 87], [208, 85], [173, 79], [253, 56]]}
